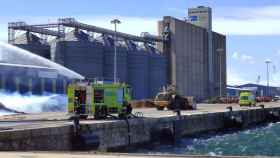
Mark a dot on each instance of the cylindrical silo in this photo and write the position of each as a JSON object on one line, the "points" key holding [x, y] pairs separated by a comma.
{"points": [[79, 54], [34, 44], [108, 62], [157, 71], [138, 71]]}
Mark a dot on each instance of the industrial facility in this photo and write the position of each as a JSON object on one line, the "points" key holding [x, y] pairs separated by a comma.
{"points": [[261, 90], [185, 53], [196, 55]]}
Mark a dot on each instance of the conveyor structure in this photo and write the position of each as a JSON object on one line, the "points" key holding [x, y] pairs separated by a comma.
{"points": [[58, 30]]}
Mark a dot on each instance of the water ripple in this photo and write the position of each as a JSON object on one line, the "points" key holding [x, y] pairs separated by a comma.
{"points": [[257, 141]]}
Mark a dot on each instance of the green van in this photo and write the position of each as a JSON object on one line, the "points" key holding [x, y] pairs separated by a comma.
{"points": [[247, 98]]}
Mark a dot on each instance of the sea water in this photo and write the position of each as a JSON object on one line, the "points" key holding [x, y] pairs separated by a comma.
{"points": [[262, 141]]}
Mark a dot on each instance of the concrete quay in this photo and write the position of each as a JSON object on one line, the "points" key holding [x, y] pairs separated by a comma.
{"points": [[53, 132], [99, 155]]}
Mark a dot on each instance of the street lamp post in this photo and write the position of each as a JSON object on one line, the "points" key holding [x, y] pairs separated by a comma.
{"points": [[220, 51], [267, 76], [115, 22]]}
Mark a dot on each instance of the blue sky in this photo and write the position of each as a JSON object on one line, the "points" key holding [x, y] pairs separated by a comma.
{"points": [[252, 27]]}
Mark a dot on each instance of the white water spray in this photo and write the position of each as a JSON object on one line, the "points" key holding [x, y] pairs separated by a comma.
{"points": [[14, 55], [32, 103], [3, 112]]}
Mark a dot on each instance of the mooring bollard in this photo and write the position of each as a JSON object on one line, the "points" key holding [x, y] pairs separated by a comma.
{"points": [[233, 121], [229, 108]]}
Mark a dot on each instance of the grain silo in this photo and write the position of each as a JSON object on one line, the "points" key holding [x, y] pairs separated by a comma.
{"points": [[78, 53], [92, 57], [138, 71], [33, 43], [108, 62], [157, 70]]}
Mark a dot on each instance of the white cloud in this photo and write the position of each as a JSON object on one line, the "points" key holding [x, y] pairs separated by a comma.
{"points": [[247, 58], [248, 21], [278, 52], [229, 21], [262, 20], [275, 79], [243, 57], [177, 10], [234, 78], [256, 12], [261, 26], [131, 25], [235, 55]]}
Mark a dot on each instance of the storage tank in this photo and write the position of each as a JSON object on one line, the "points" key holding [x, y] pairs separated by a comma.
{"points": [[108, 62], [157, 71], [78, 53], [34, 44], [138, 70]]}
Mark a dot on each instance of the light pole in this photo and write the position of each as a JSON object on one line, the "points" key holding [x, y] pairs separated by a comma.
{"points": [[220, 52], [115, 22], [267, 76]]}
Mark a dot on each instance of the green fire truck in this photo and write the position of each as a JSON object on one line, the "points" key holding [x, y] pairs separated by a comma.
{"points": [[99, 99]]}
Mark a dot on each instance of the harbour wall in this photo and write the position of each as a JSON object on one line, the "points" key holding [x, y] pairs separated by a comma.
{"points": [[118, 134]]}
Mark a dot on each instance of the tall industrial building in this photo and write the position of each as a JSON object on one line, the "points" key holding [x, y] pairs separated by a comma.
{"points": [[202, 17], [196, 55]]}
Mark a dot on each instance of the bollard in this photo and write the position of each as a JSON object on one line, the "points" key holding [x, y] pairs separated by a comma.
{"points": [[178, 112], [233, 121], [229, 108]]}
